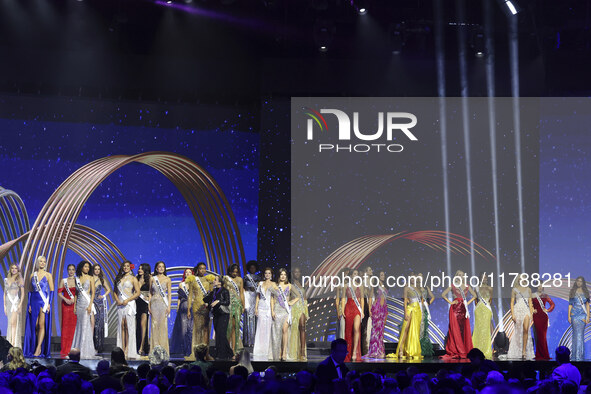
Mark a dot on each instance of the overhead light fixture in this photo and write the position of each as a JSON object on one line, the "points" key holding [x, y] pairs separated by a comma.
{"points": [[509, 7], [396, 37], [324, 31], [359, 6]]}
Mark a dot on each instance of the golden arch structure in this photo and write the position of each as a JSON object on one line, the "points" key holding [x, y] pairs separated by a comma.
{"points": [[55, 229]]}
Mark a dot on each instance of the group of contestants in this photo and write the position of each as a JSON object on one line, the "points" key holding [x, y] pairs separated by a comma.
{"points": [[527, 309], [273, 313]]}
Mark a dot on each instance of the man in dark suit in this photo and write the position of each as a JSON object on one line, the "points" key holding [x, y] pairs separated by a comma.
{"points": [[74, 366], [333, 367], [104, 380]]}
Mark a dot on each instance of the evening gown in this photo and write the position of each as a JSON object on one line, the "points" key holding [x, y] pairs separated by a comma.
{"points": [[222, 350], [426, 344], [12, 300], [83, 336], [182, 331], [521, 311], [127, 313], [459, 337], [379, 313], [69, 320], [541, 325], [351, 312], [282, 315], [99, 319], [235, 313], [141, 304], [578, 315], [159, 320], [298, 309], [249, 328], [481, 336], [36, 304], [262, 338], [411, 346], [199, 312]]}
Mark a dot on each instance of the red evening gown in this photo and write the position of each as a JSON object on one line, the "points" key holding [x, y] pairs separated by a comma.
{"points": [[459, 336], [68, 322], [541, 326], [351, 311]]}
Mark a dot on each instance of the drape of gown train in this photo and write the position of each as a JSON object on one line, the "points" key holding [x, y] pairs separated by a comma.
{"points": [[281, 316], [541, 326], [297, 310], [182, 331], [378, 318], [35, 303], [262, 338], [83, 335], [13, 289], [127, 313], [159, 318], [411, 346], [459, 336], [521, 311]]}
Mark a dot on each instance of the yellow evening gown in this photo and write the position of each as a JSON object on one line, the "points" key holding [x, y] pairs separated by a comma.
{"points": [[412, 343], [481, 338]]}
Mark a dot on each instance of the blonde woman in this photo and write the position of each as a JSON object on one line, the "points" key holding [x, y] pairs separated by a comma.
{"points": [[14, 294], [38, 325], [459, 337], [15, 360]]}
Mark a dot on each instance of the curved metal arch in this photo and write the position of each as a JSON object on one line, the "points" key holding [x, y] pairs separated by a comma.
{"points": [[218, 229], [14, 222], [353, 253]]}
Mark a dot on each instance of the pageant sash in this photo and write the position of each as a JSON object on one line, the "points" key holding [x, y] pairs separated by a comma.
{"points": [[286, 304], [424, 302], [183, 287], [481, 298], [68, 288], [261, 292], [131, 310], [13, 300], [85, 295], [542, 305], [354, 296], [161, 291], [236, 288], [106, 316], [300, 292], [464, 301], [201, 287], [43, 296], [251, 280]]}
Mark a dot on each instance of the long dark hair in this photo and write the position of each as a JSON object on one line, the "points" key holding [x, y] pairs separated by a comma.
{"points": [[279, 275], [100, 275], [231, 268], [146, 268], [573, 289], [156, 266], [120, 274], [81, 266]]}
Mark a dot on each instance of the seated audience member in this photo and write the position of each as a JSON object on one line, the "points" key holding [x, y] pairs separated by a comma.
{"points": [[200, 352], [129, 382], [333, 367], [244, 360], [480, 363], [565, 370], [70, 383], [234, 384], [15, 359], [239, 370], [118, 363], [74, 366], [142, 374], [104, 380], [219, 382], [151, 389]]}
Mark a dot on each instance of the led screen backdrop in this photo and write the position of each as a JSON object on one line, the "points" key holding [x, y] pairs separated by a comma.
{"points": [[43, 141]]}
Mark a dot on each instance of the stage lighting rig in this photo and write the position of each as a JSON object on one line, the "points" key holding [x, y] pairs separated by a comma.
{"points": [[324, 30], [509, 7], [396, 37], [359, 6]]}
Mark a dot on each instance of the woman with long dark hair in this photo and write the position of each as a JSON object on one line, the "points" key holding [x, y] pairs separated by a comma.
{"points": [[578, 317], [142, 316], [182, 331], [102, 289], [67, 293], [83, 337], [299, 317], [159, 306], [281, 314], [235, 287], [126, 291], [38, 325], [218, 301], [521, 345], [541, 322], [262, 338], [14, 295]]}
